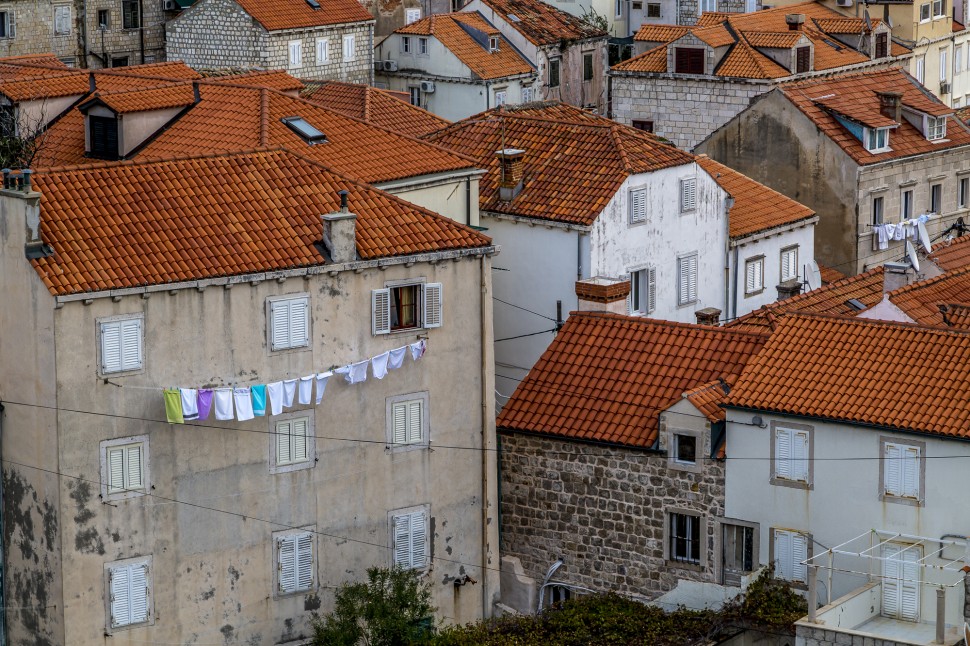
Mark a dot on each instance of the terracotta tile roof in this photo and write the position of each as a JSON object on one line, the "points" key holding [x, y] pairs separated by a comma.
{"points": [[756, 207], [830, 275], [843, 25], [963, 114], [168, 70], [709, 397], [772, 39], [888, 375], [45, 86], [274, 15], [957, 315], [858, 89], [574, 161], [953, 254], [46, 60], [606, 377], [159, 98], [957, 26], [867, 113], [271, 79], [654, 60], [744, 61], [130, 224], [833, 299], [709, 18], [660, 33], [541, 23], [378, 107], [921, 300], [448, 29], [715, 35]]}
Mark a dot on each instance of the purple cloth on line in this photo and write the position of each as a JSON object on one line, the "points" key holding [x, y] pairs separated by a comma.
{"points": [[205, 402]]}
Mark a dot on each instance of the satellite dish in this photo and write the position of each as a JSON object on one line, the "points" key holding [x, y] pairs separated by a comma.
{"points": [[911, 252], [924, 236], [816, 276]]}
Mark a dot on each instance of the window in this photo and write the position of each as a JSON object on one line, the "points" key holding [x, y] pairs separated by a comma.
{"points": [[104, 20], [791, 455], [638, 205], [103, 137], [901, 469], [350, 47], [294, 562], [939, 8], [119, 61], [588, 67], [684, 448], [803, 59], [528, 95], [687, 279], [738, 552], [414, 95], [411, 15], [958, 59], [637, 5], [406, 44], [406, 307], [323, 51], [643, 291], [935, 128], [684, 538], [62, 20], [877, 139], [289, 322], [653, 10], [124, 467], [900, 580], [130, 18], [688, 60], [129, 585], [907, 204], [754, 275], [936, 198], [493, 43], [296, 54], [789, 263], [409, 538], [877, 212], [645, 125], [882, 45], [921, 69], [121, 344], [688, 194], [307, 132], [943, 65], [963, 192], [293, 444], [500, 97], [423, 46], [708, 5], [554, 72], [618, 9], [790, 549], [407, 421], [924, 12]]}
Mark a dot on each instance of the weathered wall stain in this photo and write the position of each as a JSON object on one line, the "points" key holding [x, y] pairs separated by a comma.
{"points": [[87, 539]]}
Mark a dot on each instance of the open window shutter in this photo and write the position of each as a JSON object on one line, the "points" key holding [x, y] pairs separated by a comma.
{"points": [[111, 346], [287, 563], [299, 323], [402, 541], [283, 442], [321, 50], [432, 305], [799, 453], [692, 278], [688, 194], [749, 279], [415, 421], [909, 586], [890, 581], [638, 206], [783, 453], [349, 48], [279, 312], [12, 24], [910, 471], [893, 469], [138, 592], [783, 554], [419, 538], [399, 422], [651, 289], [299, 444], [135, 467], [799, 543], [304, 550], [380, 300], [683, 279], [631, 301], [131, 344], [119, 583], [116, 469], [295, 54]]}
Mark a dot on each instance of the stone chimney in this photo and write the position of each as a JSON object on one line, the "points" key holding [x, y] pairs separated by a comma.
{"points": [[795, 21], [891, 105], [601, 294], [510, 165], [340, 232], [895, 275], [789, 288], [17, 184], [708, 316]]}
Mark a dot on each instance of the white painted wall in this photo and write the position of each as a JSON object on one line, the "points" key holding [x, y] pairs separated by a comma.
{"points": [[770, 247], [844, 500]]}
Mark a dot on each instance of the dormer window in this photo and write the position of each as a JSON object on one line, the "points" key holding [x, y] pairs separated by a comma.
{"points": [[876, 139], [803, 59], [308, 133], [104, 137], [935, 128], [493, 43]]}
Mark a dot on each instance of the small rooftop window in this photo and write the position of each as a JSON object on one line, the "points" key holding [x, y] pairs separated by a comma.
{"points": [[856, 304], [493, 43], [302, 127], [513, 17], [313, 4]]}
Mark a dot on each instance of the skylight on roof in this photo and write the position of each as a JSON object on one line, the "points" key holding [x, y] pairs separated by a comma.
{"points": [[302, 127], [513, 17], [313, 4]]}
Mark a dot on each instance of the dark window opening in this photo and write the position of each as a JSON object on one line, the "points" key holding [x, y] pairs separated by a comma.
{"points": [[554, 73], [6, 24], [877, 214], [653, 10], [130, 16], [121, 61], [685, 448], [685, 538], [803, 59], [646, 126], [738, 552], [936, 198], [882, 45], [103, 18], [405, 305], [104, 137], [689, 60], [587, 67]]}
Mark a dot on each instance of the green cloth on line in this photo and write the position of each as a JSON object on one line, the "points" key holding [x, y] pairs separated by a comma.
{"points": [[173, 406]]}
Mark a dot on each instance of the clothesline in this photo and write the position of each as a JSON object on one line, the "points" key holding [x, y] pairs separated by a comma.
{"points": [[247, 402], [914, 229]]}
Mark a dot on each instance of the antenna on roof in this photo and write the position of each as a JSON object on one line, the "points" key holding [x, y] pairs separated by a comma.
{"points": [[865, 15]]}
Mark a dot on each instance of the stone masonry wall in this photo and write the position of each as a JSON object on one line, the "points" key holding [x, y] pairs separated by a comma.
{"points": [[602, 509], [683, 109], [358, 70], [217, 34], [120, 43], [806, 636]]}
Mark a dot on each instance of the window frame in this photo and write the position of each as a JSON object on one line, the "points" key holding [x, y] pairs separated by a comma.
{"points": [[555, 78], [688, 195], [275, 467], [691, 298], [758, 263], [528, 95], [809, 472], [414, 93], [963, 191], [878, 212], [108, 569], [130, 8], [646, 125], [882, 45], [270, 302], [935, 128], [700, 522], [803, 55], [349, 53], [390, 404], [943, 59], [927, 9], [501, 97], [654, 7], [906, 203], [422, 46], [107, 18], [99, 342], [643, 291], [406, 45], [921, 69], [941, 11], [124, 442], [421, 305], [674, 461], [884, 495], [294, 534], [392, 517], [809, 552], [936, 198], [588, 66], [325, 49], [635, 217], [871, 137], [55, 10], [294, 46], [409, 15], [720, 545], [687, 63], [791, 249]]}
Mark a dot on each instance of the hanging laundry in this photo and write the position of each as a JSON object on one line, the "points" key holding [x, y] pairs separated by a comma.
{"points": [[190, 403], [418, 348], [306, 389], [344, 371], [890, 231], [923, 219], [173, 406], [243, 399], [259, 400], [396, 357], [289, 391], [881, 237], [223, 403], [900, 232], [322, 385], [379, 365], [924, 235], [204, 403], [358, 371], [275, 392]]}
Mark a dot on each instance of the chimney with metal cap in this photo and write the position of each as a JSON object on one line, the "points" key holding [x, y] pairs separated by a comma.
{"points": [[894, 276], [795, 21], [340, 232]]}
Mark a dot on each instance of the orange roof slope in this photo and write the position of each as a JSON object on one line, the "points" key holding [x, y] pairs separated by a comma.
{"points": [[159, 98], [448, 29], [954, 254], [921, 300], [543, 24], [378, 107], [956, 315], [606, 377], [270, 79], [888, 375], [709, 397], [274, 15], [574, 161], [189, 219], [857, 93], [867, 288], [830, 275], [756, 207]]}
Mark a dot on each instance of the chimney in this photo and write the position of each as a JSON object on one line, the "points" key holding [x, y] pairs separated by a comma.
{"points": [[891, 105], [601, 294], [795, 21], [708, 316], [894, 276], [510, 166], [789, 288], [340, 232], [17, 185]]}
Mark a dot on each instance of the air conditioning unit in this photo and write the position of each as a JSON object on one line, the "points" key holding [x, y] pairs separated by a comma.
{"points": [[390, 66], [843, 3], [944, 87], [170, 5], [427, 87]]}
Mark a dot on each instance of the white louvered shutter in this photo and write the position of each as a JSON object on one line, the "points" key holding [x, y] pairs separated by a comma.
{"points": [[11, 24], [304, 560], [890, 581], [138, 593], [909, 586], [116, 470], [136, 478], [349, 47], [299, 445], [131, 337], [892, 469], [789, 260], [323, 53], [799, 549], [419, 539], [799, 454], [299, 312], [296, 53], [380, 302], [399, 422], [783, 453], [402, 541], [287, 563], [783, 554], [752, 281], [415, 415], [119, 583], [687, 273], [651, 289], [638, 206], [910, 465], [111, 347], [432, 305], [688, 194], [62, 21], [283, 453], [280, 320]]}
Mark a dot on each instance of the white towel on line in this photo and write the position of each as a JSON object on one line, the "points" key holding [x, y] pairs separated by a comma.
{"points": [[322, 385], [190, 403], [306, 389], [378, 365], [396, 357], [275, 392], [244, 404], [222, 402], [289, 390]]}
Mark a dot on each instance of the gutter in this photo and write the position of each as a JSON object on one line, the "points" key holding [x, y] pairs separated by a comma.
{"points": [[566, 438]]}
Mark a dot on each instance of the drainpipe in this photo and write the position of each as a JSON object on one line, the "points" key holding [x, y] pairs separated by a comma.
{"points": [[468, 201], [141, 29], [728, 203], [734, 284], [3, 622], [84, 53], [483, 305], [488, 92]]}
